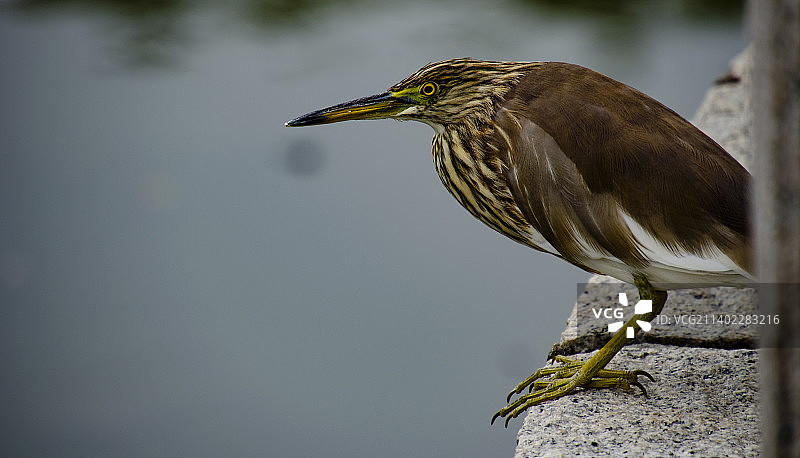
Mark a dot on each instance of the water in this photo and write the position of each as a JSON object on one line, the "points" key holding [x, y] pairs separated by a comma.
{"points": [[182, 275]]}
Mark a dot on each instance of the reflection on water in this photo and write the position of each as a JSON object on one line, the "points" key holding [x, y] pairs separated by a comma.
{"points": [[151, 32], [611, 10], [145, 33]]}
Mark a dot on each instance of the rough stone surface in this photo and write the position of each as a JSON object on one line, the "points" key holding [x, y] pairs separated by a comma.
{"points": [[703, 403], [705, 398]]}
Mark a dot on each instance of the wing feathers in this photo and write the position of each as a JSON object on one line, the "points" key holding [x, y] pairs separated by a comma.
{"points": [[589, 148]]}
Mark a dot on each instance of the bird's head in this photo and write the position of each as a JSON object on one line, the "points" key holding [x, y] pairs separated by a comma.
{"points": [[438, 94]]}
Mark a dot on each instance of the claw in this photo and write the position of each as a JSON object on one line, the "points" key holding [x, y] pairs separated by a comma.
{"points": [[554, 382], [574, 374], [639, 372], [640, 386]]}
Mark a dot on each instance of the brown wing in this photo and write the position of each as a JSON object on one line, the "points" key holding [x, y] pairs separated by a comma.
{"points": [[582, 143]]}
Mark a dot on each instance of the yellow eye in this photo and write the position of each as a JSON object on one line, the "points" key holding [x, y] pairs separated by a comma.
{"points": [[428, 89]]}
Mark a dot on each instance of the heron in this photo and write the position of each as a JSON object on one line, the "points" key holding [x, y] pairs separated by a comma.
{"points": [[570, 162]]}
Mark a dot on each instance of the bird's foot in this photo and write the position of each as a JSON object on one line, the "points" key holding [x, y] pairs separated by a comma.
{"points": [[556, 381]]}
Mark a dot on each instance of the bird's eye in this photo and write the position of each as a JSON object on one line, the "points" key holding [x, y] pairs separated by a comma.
{"points": [[428, 89]]}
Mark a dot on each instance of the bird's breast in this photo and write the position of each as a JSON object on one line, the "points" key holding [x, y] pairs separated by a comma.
{"points": [[476, 181]]}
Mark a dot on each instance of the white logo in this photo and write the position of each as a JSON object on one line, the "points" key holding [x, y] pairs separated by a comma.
{"points": [[642, 307]]}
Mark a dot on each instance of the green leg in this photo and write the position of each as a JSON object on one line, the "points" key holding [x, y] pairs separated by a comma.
{"points": [[573, 374]]}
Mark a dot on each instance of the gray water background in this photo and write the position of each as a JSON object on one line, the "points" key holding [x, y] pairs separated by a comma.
{"points": [[181, 275]]}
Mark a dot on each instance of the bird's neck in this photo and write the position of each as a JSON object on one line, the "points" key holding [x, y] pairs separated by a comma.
{"points": [[473, 175]]}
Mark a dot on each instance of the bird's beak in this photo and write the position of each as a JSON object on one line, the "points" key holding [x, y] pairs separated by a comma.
{"points": [[373, 107]]}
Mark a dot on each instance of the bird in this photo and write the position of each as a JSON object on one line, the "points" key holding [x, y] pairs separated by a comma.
{"points": [[570, 162]]}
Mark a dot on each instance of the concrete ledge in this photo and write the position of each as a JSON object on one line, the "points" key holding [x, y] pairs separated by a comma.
{"points": [[705, 398], [704, 403]]}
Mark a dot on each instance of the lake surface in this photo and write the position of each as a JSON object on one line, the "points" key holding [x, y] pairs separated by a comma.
{"points": [[180, 274]]}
